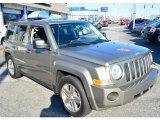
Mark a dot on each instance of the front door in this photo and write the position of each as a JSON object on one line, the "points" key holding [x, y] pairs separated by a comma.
{"points": [[38, 60]]}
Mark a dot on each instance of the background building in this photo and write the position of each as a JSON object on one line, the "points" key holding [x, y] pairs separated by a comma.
{"points": [[83, 13], [16, 11]]}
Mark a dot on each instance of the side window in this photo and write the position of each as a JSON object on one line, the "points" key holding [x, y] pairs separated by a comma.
{"points": [[20, 33], [38, 32], [10, 32]]}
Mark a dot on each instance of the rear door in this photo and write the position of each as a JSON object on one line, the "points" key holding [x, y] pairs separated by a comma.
{"points": [[20, 40], [16, 36]]}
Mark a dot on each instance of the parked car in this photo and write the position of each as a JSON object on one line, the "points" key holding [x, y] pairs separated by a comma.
{"points": [[77, 62], [97, 25], [110, 21], [152, 32], [116, 21], [2, 33], [124, 22], [104, 23], [137, 21], [138, 27]]}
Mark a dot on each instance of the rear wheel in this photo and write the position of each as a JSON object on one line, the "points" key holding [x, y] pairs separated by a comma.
{"points": [[12, 68], [73, 96]]}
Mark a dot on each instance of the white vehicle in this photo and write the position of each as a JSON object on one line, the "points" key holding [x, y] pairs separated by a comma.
{"points": [[2, 33]]}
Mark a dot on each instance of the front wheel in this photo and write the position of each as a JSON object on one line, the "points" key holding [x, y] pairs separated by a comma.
{"points": [[73, 96]]}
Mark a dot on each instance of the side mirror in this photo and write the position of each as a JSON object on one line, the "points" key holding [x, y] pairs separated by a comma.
{"points": [[39, 44], [104, 34]]}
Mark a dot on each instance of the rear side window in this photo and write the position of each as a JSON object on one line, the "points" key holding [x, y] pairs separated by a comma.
{"points": [[20, 33], [10, 32]]}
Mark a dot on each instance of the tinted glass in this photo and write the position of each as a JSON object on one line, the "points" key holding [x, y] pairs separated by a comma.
{"points": [[20, 33], [38, 32], [75, 34], [155, 24], [10, 32]]}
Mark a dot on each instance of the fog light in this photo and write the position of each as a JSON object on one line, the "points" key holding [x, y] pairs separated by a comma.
{"points": [[113, 96]]}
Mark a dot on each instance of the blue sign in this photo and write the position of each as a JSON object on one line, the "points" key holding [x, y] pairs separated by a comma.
{"points": [[104, 9]]}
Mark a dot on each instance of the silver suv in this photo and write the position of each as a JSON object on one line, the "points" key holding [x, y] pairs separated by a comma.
{"points": [[76, 61]]}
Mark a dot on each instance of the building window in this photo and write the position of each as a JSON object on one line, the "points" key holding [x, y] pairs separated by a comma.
{"points": [[10, 17]]}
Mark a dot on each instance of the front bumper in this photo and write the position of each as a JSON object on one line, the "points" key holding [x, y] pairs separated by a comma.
{"points": [[125, 94]]}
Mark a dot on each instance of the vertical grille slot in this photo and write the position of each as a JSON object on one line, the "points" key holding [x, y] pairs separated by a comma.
{"points": [[141, 66], [145, 65], [137, 68], [132, 70], [147, 60], [127, 71]]}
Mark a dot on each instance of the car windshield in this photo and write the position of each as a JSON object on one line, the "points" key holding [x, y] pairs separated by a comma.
{"points": [[155, 23], [76, 34]]}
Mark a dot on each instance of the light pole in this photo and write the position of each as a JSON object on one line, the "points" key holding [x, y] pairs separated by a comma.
{"points": [[144, 10], [134, 14]]}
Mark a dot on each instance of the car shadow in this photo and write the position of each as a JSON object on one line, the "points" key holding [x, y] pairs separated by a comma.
{"points": [[56, 108], [1, 64], [155, 48], [3, 73], [133, 34]]}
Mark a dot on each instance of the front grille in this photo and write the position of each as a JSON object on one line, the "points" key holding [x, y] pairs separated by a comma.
{"points": [[135, 69]]}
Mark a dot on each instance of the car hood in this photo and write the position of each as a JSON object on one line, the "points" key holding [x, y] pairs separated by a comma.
{"points": [[104, 53]]}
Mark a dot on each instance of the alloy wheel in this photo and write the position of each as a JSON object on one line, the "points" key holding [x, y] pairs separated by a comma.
{"points": [[71, 97]]}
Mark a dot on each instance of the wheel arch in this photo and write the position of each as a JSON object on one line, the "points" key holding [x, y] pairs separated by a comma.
{"points": [[82, 74]]}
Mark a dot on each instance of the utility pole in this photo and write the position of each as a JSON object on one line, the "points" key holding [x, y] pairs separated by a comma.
{"points": [[134, 14], [144, 10]]}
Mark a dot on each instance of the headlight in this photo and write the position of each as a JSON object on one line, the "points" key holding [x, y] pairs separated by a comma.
{"points": [[116, 72]]}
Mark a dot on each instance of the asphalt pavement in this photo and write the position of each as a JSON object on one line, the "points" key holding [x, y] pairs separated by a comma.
{"points": [[24, 98]]}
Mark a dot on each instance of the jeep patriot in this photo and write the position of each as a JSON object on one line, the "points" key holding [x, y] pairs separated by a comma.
{"points": [[79, 63]]}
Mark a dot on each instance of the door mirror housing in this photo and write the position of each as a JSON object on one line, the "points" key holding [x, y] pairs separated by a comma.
{"points": [[104, 34], [40, 44]]}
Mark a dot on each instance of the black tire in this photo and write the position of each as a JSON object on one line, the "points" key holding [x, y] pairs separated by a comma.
{"points": [[16, 74], [85, 107], [2, 40]]}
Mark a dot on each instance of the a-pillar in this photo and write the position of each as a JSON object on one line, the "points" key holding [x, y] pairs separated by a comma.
{"points": [[25, 13]]}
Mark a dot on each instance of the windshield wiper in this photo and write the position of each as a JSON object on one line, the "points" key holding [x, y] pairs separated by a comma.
{"points": [[73, 44], [98, 41]]}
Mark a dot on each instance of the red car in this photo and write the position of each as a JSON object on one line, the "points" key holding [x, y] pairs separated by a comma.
{"points": [[124, 22], [104, 23]]}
